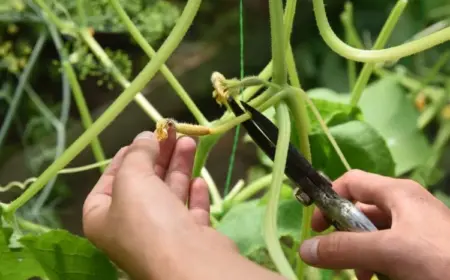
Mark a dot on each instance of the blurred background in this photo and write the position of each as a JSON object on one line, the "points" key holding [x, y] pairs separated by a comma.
{"points": [[212, 44]]}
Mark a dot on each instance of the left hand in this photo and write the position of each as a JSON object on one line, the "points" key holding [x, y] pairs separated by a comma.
{"points": [[137, 211]]}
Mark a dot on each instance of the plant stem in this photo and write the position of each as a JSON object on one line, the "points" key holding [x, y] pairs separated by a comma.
{"points": [[81, 13], [30, 226], [86, 119], [106, 61], [270, 221], [116, 107], [83, 109], [60, 143], [18, 93], [252, 189], [389, 54], [134, 31], [442, 61], [323, 126], [381, 41], [297, 106], [279, 73], [63, 26], [347, 22]]}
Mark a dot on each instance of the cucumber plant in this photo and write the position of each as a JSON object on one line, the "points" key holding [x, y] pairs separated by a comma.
{"points": [[376, 127]]}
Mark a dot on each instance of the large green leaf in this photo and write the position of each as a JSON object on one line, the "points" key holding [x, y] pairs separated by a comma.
{"points": [[69, 257], [331, 108], [244, 224], [17, 263], [361, 145], [386, 107]]}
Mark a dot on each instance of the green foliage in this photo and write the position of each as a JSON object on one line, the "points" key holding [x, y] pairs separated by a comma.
{"points": [[65, 256], [361, 145], [387, 108], [244, 225], [52, 255], [380, 135], [17, 263]]}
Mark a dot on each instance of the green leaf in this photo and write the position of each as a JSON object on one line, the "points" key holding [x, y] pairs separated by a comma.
{"points": [[18, 263], [332, 108], [69, 257], [244, 224], [332, 112], [362, 146], [386, 107]]}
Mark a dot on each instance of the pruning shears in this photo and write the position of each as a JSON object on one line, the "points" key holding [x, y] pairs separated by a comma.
{"points": [[310, 185]]}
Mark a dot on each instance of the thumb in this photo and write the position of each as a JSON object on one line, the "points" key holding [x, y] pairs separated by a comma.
{"points": [[345, 250]]}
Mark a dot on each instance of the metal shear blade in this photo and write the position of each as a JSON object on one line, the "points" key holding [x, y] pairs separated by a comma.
{"points": [[265, 135]]}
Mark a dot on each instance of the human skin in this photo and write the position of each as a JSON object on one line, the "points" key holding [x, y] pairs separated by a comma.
{"points": [[137, 214], [412, 243]]}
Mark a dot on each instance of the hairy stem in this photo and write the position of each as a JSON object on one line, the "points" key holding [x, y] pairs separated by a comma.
{"points": [[389, 54], [381, 41], [18, 93], [277, 31], [270, 221], [137, 36], [116, 107]]}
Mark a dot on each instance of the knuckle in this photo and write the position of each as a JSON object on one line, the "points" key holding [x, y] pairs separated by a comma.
{"points": [[410, 187], [353, 175], [330, 246]]}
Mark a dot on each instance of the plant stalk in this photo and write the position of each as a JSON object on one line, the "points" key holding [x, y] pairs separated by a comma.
{"points": [[381, 41], [389, 54], [270, 222], [116, 107]]}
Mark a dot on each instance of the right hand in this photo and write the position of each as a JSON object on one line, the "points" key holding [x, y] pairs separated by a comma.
{"points": [[414, 237]]}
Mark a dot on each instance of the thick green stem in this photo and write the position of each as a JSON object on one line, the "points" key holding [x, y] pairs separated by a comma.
{"points": [[270, 221], [116, 107], [252, 189], [277, 31], [83, 109], [134, 31], [18, 93], [297, 106], [389, 54], [381, 41], [347, 22]]}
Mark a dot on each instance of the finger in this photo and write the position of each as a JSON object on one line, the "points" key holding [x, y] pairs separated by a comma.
{"points": [[369, 188], [379, 218], [178, 175], [104, 184], [166, 149], [199, 202], [142, 154], [345, 250], [98, 200]]}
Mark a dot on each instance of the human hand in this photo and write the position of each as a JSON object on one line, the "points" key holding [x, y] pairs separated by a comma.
{"points": [[413, 240], [137, 214]]}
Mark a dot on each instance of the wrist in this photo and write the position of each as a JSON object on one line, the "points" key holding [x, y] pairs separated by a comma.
{"points": [[203, 255]]}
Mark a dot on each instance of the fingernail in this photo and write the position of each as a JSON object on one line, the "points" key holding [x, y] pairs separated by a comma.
{"points": [[308, 250], [144, 135]]}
